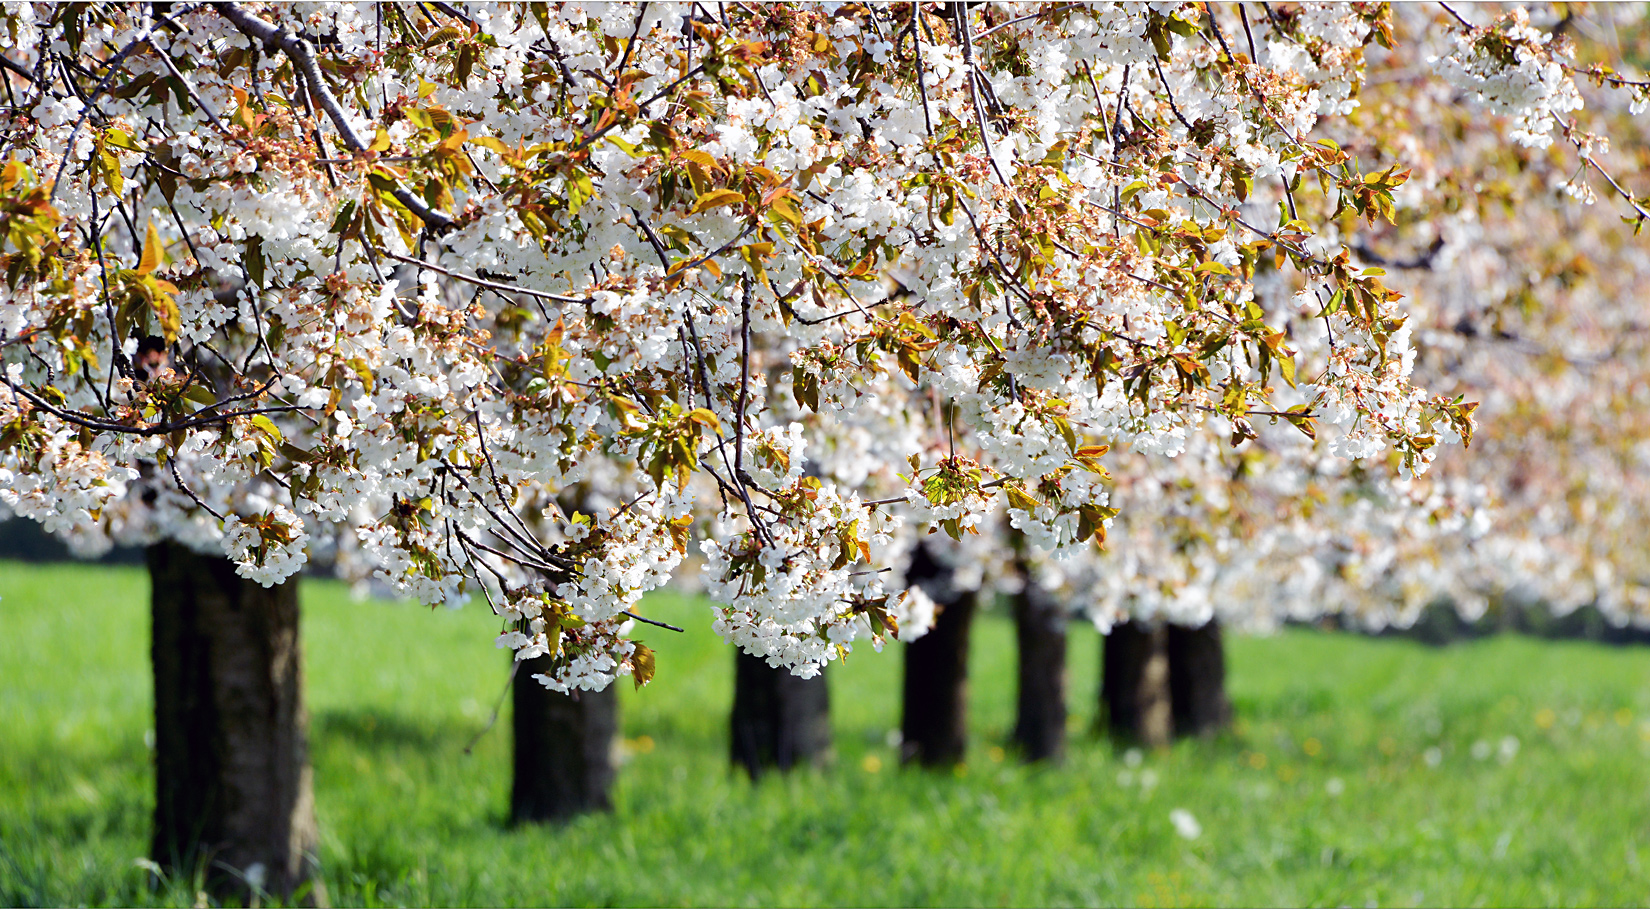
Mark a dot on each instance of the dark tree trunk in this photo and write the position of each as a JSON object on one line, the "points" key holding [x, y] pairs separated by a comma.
{"points": [[563, 748], [1040, 631], [779, 719], [1134, 684], [233, 790], [934, 726], [1197, 680]]}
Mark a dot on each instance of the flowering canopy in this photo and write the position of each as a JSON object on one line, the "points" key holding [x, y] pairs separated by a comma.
{"points": [[1534, 307], [788, 279]]}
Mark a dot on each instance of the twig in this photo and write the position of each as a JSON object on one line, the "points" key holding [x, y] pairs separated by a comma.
{"points": [[1169, 94], [630, 45], [744, 382], [190, 91], [112, 67], [1047, 10], [652, 622], [959, 12], [173, 464], [497, 707], [17, 68], [302, 56], [490, 285], [1456, 15]]}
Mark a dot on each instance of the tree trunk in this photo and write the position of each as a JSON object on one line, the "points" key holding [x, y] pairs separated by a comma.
{"points": [[1040, 631], [779, 719], [934, 726], [1197, 680], [563, 748], [233, 789], [1134, 684]]}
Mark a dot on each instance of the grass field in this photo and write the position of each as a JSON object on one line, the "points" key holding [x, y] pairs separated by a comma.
{"points": [[1506, 771]]}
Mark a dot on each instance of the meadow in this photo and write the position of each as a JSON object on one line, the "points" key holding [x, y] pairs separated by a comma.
{"points": [[1507, 771]]}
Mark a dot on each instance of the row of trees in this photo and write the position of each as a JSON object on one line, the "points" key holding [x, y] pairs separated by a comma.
{"points": [[515, 303], [233, 788]]}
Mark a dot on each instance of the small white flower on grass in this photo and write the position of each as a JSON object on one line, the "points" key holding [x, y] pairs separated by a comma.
{"points": [[1334, 786], [1133, 758], [1434, 757], [1509, 749], [1481, 750], [1185, 824]]}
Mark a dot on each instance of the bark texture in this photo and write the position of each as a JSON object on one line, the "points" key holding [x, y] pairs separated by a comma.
{"points": [[1134, 684], [233, 789], [1197, 680], [779, 720], [563, 748], [1040, 632], [934, 726]]}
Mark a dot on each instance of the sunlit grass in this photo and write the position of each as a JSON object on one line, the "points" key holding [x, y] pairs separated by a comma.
{"points": [[1506, 771]]}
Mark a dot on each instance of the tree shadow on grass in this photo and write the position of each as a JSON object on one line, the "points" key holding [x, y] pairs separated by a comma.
{"points": [[368, 729]]}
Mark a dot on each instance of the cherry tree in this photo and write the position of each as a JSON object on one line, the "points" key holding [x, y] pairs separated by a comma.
{"points": [[1540, 328], [798, 282]]}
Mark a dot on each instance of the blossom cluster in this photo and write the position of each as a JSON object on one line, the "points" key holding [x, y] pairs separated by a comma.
{"points": [[518, 301]]}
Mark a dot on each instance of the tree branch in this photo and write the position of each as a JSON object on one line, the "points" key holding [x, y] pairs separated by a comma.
{"points": [[302, 56], [490, 285]]}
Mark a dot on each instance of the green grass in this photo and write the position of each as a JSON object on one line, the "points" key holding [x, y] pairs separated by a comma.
{"points": [[396, 691]]}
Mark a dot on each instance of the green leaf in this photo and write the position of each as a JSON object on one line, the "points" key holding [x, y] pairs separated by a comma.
{"points": [[1020, 499], [363, 371], [346, 214], [444, 35], [641, 665], [150, 260], [466, 63], [253, 260], [1066, 432], [268, 426], [705, 418], [716, 198]]}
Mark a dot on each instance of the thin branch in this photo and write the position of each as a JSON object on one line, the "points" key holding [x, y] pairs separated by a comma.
{"points": [[490, 285], [1247, 33], [1169, 94], [172, 463], [17, 68], [91, 422], [497, 707], [959, 12], [744, 382], [190, 91], [922, 74], [302, 55], [651, 622], [113, 66], [1457, 16], [630, 45], [585, 142], [1045, 11], [1116, 150]]}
